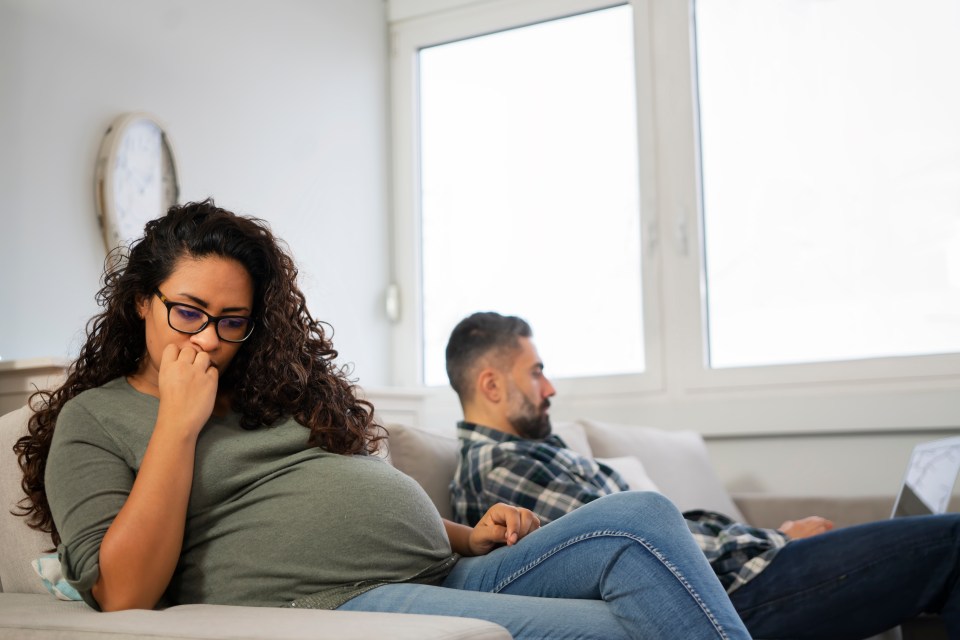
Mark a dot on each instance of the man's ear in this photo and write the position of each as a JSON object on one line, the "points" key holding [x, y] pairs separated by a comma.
{"points": [[490, 385]]}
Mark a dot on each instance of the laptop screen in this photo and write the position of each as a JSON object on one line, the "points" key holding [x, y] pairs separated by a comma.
{"points": [[928, 483]]}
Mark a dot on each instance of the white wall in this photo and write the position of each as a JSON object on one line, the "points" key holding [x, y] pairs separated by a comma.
{"points": [[276, 109]]}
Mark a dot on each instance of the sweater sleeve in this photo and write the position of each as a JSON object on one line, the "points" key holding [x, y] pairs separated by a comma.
{"points": [[87, 481]]}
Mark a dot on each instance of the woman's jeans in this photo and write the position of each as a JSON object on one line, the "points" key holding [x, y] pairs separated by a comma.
{"points": [[623, 566], [858, 581]]}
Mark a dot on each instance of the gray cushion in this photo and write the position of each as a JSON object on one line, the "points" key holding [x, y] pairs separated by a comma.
{"points": [[574, 436], [677, 461], [29, 616], [430, 458], [427, 457], [21, 544]]}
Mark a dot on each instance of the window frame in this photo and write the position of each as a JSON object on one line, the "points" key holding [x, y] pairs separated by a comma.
{"points": [[677, 366], [690, 278], [407, 38]]}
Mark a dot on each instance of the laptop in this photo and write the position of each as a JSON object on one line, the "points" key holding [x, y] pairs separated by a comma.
{"points": [[928, 483]]}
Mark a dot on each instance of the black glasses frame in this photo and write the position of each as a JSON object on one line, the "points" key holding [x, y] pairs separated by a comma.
{"points": [[214, 319]]}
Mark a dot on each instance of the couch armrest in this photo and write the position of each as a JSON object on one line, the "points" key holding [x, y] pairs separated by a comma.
{"points": [[770, 511]]}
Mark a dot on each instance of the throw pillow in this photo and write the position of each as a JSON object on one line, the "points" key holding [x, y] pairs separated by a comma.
{"points": [[48, 568], [631, 469], [677, 461]]}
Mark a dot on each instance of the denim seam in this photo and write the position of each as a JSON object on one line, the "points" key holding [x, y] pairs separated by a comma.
{"points": [[622, 534]]}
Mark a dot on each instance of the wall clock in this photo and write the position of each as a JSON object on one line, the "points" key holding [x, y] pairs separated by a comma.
{"points": [[136, 177]]}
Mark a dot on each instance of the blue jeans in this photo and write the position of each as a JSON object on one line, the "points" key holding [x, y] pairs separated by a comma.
{"points": [[623, 566], [858, 581]]}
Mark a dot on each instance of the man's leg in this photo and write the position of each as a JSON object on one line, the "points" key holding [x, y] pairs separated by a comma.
{"points": [[858, 581], [631, 550]]}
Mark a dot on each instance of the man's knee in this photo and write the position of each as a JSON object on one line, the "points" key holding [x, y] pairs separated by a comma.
{"points": [[642, 507]]}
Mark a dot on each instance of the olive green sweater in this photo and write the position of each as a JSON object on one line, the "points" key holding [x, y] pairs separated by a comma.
{"points": [[271, 520]]}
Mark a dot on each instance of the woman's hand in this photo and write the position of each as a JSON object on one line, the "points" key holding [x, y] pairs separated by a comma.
{"points": [[501, 524], [139, 552], [188, 386]]}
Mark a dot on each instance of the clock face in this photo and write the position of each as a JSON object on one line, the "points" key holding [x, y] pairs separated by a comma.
{"points": [[139, 181]]}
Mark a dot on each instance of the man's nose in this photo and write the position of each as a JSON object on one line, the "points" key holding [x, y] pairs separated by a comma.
{"points": [[548, 389]]}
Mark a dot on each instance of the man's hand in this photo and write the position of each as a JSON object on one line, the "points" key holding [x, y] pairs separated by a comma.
{"points": [[806, 527], [501, 524]]}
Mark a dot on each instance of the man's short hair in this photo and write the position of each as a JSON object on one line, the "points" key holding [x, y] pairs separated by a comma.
{"points": [[479, 335]]}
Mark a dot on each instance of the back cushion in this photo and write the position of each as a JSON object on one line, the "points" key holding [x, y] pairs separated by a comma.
{"points": [[21, 544], [431, 458], [677, 461], [574, 436], [427, 457], [631, 470]]}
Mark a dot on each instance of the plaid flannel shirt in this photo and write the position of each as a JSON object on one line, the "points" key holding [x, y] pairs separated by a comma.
{"points": [[551, 480]]}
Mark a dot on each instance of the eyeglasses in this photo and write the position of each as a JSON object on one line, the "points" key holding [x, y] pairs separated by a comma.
{"points": [[190, 320]]}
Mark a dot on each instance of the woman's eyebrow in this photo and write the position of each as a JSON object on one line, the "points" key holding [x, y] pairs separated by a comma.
{"points": [[200, 302]]}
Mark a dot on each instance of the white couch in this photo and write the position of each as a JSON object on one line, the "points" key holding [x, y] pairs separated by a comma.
{"points": [[646, 456]]}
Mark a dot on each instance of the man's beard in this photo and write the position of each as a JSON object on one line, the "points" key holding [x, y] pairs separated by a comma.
{"points": [[530, 422]]}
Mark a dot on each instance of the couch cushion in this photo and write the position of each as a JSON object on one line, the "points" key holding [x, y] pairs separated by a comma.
{"points": [[21, 544], [574, 436], [677, 461], [430, 457], [35, 617], [427, 457], [632, 471]]}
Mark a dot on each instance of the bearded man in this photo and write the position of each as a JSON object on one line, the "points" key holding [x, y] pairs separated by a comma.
{"points": [[803, 580]]}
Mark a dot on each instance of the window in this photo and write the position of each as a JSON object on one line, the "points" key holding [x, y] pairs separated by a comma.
{"points": [[830, 149], [781, 220], [530, 191]]}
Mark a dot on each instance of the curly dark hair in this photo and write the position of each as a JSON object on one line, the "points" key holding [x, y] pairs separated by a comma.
{"points": [[285, 368]]}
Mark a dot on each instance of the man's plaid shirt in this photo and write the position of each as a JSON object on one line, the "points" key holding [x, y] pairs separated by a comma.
{"points": [[551, 480]]}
